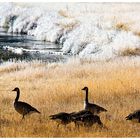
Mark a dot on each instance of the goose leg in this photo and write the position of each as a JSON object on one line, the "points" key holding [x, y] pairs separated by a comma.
{"points": [[76, 125], [58, 125], [23, 117]]}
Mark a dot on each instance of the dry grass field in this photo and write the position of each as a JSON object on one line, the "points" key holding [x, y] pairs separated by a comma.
{"points": [[56, 87]]}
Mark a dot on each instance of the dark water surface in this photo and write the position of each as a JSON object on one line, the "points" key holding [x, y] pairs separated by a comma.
{"points": [[31, 49]]}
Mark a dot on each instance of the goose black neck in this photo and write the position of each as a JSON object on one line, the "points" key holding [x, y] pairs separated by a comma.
{"points": [[18, 93], [86, 99]]}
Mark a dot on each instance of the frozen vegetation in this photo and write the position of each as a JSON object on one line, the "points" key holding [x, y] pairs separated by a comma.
{"points": [[88, 30]]}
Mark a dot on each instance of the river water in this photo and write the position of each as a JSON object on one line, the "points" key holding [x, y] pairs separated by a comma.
{"points": [[24, 47]]}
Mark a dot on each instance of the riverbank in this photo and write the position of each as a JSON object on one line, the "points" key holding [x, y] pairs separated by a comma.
{"points": [[26, 48], [91, 31], [56, 87]]}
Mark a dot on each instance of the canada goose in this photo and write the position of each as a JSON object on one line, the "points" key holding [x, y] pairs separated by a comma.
{"points": [[134, 115], [22, 107], [85, 118], [75, 117], [62, 118], [95, 109], [89, 119]]}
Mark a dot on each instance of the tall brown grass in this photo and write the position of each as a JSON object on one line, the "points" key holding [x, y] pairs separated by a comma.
{"points": [[56, 87]]}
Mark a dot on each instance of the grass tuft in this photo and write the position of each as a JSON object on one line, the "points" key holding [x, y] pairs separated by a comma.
{"points": [[130, 52], [122, 26]]}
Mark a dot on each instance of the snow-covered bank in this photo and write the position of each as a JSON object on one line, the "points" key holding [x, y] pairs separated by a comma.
{"points": [[89, 30]]}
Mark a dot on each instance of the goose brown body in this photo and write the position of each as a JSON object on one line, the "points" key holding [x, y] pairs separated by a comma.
{"points": [[62, 118], [85, 118], [23, 108], [89, 119]]}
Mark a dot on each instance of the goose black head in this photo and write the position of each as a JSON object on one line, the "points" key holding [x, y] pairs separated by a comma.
{"points": [[16, 89], [85, 88]]}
